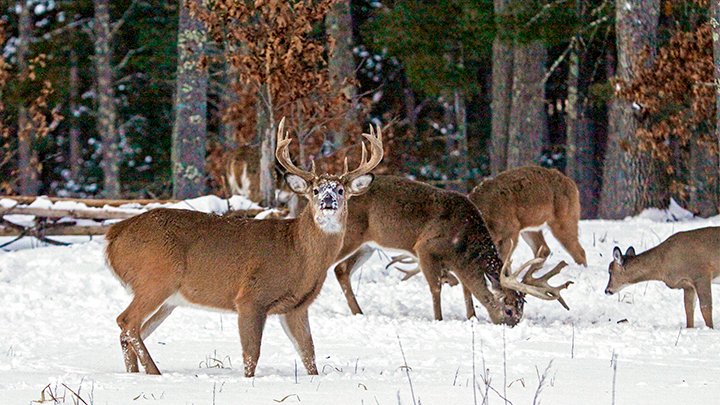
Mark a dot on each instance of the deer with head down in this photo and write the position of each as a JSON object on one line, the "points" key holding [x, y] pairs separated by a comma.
{"points": [[444, 232], [689, 260], [516, 202], [255, 268]]}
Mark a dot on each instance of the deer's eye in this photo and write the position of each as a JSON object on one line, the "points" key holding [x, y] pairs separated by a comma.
{"points": [[315, 191], [341, 191]]}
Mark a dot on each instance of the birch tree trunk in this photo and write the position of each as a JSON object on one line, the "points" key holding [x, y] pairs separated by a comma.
{"points": [[106, 110], [266, 131], [28, 175], [190, 126], [631, 181]]}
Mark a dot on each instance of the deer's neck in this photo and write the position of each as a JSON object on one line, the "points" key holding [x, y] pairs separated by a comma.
{"points": [[316, 239]]}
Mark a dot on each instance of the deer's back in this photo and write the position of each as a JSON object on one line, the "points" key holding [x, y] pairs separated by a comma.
{"points": [[210, 259], [686, 251], [397, 213], [528, 196]]}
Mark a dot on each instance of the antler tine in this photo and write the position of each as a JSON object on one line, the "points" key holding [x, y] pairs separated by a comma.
{"points": [[376, 154], [537, 287], [282, 154]]}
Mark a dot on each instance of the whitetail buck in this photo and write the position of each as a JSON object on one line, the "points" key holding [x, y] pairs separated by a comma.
{"points": [[689, 260], [444, 231], [252, 267], [519, 201]]}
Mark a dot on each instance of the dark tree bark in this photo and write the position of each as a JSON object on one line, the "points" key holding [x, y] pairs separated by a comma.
{"points": [[341, 62], [106, 110], [190, 126], [527, 126], [28, 174], [74, 156], [631, 180], [580, 144], [502, 74]]}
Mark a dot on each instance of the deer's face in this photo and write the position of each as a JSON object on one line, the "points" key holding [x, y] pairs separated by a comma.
{"points": [[618, 274], [328, 195], [513, 304]]}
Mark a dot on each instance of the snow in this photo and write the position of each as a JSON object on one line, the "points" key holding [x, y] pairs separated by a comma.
{"points": [[58, 335]]}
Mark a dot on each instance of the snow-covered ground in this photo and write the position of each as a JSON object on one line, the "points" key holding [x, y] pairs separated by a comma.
{"points": [[59, 340]]}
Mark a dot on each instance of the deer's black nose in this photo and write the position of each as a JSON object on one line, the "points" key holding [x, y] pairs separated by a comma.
{"points": [[328, 202]]}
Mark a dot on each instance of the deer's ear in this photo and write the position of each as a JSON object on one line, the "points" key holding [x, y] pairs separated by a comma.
{"points": [[630, 252], [361, 184], [297, 184], [617, 255]]}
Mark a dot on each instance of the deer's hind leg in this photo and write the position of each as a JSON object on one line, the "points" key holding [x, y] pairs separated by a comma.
{"points": [[131, 323], [689, 299], [343, 272]]}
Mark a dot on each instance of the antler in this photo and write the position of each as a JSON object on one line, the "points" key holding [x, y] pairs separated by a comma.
{"points": [[376, 155], [283, 154], [537, 287], [445, 277]]}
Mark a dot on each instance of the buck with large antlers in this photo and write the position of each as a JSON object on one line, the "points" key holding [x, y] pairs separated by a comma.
{"points": [[512, 202], [255, 268], [444, 231], [689, 260]]}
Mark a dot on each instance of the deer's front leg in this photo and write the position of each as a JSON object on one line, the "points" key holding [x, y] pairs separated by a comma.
{"points": [[297, 327], [251, 322], [469, 305], [432, 270], [689, 306]]}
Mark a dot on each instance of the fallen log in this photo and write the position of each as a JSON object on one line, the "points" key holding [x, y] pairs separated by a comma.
{"points": [[74, 213], [90, 202]]}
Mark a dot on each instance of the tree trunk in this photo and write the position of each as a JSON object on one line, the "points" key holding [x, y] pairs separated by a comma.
{"points": [[502, 75], [631, 180], [190, 126], [28, 175], [713, 174], [579, 150], [462, 142], [341, 62], [106, 111], [74, 155], [266, 131], [527, 126]]}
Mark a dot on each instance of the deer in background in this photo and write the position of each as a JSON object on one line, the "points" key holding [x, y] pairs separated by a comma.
{"points": [[255, 268], [689, 260], [445, 232], [518, 201]]}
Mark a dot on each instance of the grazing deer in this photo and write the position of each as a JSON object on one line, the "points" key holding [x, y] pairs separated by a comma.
{"points": [[519, 201], [253, 267], [689, 260], [444, 231]]}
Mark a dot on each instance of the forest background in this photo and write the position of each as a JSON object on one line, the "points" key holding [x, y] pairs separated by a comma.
{"points": [[152, 99]]}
